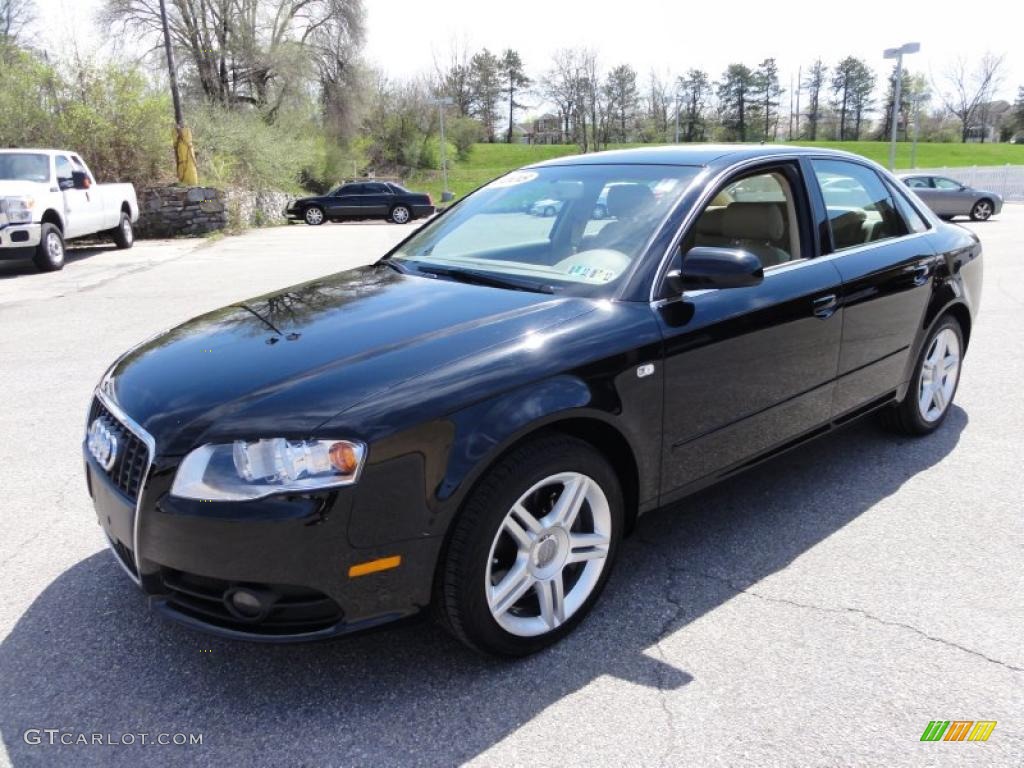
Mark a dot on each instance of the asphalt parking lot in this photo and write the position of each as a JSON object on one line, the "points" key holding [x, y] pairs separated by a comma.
{"points": [[820, 610]]}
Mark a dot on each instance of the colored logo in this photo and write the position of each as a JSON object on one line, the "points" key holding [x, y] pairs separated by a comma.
{"points": [[958, 730]]}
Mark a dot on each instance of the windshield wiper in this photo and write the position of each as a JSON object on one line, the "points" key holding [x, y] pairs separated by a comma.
{"points": [[485, 278]]}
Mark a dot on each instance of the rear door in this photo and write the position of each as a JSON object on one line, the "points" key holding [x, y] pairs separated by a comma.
{"points": [[749, 369], [887, 266]]}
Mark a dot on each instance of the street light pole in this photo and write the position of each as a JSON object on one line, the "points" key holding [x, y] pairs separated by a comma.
{"points": [[897, 53], [677, 117], [443, 102]]}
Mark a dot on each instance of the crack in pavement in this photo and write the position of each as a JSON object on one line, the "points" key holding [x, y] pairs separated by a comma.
{"points": [[673, 568], [845, 609], [678, 610]]}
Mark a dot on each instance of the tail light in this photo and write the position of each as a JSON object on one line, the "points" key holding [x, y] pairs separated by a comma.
{"points": [[430, 199]]}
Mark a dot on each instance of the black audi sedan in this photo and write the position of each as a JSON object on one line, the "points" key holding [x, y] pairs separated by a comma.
{"points": [[472, 423], [362, 200]]}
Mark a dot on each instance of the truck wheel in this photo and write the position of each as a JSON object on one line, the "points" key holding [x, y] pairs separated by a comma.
{"points": [[50, 251], [124, 233]]}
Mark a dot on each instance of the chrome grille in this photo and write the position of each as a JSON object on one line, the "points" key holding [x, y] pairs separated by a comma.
{"points": [[129, 467]]}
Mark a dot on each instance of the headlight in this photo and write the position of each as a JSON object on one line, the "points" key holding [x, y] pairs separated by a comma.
{"points": [[19, 209], [242, 470]]}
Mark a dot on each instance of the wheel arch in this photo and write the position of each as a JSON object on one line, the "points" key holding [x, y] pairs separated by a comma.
{"points": [[589, 426], [50, 216]]}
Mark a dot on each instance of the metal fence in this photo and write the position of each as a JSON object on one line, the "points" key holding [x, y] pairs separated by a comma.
{"points": [[1005, 180]]}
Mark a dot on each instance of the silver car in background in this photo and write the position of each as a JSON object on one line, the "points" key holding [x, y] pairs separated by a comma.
{"points": [[949, 198]]}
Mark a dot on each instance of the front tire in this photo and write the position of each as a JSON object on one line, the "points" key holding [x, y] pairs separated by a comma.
{"points": [[982, 210], [400, 214], [314, 216], [50, 251], [532, 548], [124, 234], [934, 383]]}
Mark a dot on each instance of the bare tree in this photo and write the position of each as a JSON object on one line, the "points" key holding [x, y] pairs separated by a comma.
{"points": [[15, 16], [658, 103], [561, 86], [964, 91], [455, 79], [252, 51]]}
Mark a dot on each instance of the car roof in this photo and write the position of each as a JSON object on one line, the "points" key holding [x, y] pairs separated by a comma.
{"points": [[22, 151], [695, 155]]}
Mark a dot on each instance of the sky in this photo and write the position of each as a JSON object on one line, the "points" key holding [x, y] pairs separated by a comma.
{"points": [[670, 36]]}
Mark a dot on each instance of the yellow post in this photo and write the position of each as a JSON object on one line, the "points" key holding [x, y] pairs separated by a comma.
{"points": [[188, 172]]}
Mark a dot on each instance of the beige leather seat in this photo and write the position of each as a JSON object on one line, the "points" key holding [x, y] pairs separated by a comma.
{"points": [[756, 227]]}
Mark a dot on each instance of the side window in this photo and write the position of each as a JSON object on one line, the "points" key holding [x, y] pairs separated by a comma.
{"points": [[860, 208], [376, 189], [757, 213], [947, 184], [918, 183], [64, 178], [914, 221]]}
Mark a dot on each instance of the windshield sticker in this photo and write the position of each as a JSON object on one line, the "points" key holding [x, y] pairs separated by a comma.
{"points": [[591, 273], [513, 179]]}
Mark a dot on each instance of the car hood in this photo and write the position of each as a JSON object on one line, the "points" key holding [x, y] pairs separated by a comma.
{"points": [[284, 363], [10, 188]]}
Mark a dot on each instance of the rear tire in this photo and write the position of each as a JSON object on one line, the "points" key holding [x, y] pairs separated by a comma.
{"points": [[124, 234], [532, 548], [50, 251], [934, 383], [400, 214]]}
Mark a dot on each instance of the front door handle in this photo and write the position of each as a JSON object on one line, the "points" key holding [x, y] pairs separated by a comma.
{"points": [[825, 306], [921, 273]]}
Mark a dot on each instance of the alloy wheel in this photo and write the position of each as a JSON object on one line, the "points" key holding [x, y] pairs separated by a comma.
{"points": [[939, 372], [126, 229], [400, 215], [548, 554], [314, 216], [982, 210]]}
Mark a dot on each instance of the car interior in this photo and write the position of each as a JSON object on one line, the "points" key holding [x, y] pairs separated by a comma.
{"points": [[860, 208], [756, 213]]}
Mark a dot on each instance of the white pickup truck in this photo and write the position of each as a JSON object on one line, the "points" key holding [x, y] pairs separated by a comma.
{"points": [[49, 196]]}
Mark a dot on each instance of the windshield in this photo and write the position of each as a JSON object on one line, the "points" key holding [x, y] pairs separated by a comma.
{"points": [[573, 227], [21, 166]]}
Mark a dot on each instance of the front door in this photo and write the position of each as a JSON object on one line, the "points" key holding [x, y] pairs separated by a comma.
{"points": [[79, 206], [748, 369]]}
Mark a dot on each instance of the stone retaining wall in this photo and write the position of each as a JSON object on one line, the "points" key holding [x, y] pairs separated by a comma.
{"points": [[190, 211], [180, 211]]}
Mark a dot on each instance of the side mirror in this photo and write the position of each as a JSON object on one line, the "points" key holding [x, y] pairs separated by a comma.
{"points": [[81, 180], [707, 267]]}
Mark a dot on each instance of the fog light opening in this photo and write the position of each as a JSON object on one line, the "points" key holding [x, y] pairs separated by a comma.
{"points": [[248, 604]]}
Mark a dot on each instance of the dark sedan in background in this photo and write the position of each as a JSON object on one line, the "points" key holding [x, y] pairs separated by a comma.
{"points": [[363, 200], [472, 423], [949, 198]]}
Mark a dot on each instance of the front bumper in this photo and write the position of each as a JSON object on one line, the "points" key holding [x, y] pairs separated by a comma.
{"points": [[294, 552], [19, 241]]}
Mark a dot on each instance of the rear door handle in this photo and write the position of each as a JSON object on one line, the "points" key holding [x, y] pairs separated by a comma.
{"points": [[825, 306]]}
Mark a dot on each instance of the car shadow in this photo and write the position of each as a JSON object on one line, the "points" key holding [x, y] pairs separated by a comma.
{"points": [[9, 269], [87, 657]]}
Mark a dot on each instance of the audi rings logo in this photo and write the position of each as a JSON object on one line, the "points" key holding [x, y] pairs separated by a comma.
{"points": [[102, 444]]}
